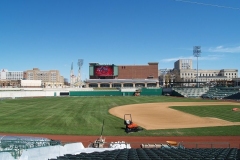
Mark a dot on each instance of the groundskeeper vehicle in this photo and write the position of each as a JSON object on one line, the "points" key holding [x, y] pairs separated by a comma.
{"points": [[130, 126]]}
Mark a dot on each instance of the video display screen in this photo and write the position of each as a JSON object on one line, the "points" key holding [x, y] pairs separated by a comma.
{"points": [[103, 70]]}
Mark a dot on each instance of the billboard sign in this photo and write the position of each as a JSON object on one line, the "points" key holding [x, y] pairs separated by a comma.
{"points": [[103, 70]]}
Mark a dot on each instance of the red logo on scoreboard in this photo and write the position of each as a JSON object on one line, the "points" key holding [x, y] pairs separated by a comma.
{"points": [[103, 71]]}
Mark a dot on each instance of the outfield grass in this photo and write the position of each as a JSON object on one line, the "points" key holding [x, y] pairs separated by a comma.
{"points": [[84, 116]]}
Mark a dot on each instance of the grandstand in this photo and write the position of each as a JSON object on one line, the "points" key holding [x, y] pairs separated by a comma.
{"points": [[208, 92], [161, 154], [191, 92], [221, 92], [20, 147]]}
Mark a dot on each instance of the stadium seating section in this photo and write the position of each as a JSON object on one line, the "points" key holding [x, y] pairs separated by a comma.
{"points": [[208, 92], [222, 92], [158, 153], [191, 92]]}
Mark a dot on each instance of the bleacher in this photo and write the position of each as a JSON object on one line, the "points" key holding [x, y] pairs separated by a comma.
{"points": [[159, 154], [191, 92], [221, 92]]}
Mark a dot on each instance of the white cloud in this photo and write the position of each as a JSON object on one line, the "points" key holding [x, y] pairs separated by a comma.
{"points": [[211, 57], [175, 59], [222, 49], [208, 57]]}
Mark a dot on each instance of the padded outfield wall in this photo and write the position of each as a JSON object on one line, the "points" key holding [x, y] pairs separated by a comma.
{"points": [[151, 92], [62, 92], [95, 93], [144, 92], [100, 93]]}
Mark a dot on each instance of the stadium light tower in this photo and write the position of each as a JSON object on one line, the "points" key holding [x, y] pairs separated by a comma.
{"points": [[71, 76], [80, 63], [197, 53]]}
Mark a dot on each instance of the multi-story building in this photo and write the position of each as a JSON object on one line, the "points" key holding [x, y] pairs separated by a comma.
{"points": [[11, 75], [187, 74], [110, 75], [183, 64], [10, 78], [50, 79]]}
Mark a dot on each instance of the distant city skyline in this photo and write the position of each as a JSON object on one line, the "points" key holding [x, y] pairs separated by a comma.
{"points": [[54, 34]]}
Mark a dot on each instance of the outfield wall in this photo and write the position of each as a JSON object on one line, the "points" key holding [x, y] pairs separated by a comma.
{"points": [[151, 92], [52, 93], [14, 94], [143, 92], [100, 93]]}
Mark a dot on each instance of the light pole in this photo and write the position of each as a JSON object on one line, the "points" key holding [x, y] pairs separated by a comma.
{"points": [[164, 76], [237, 81], [172, 77], [197, 53]]}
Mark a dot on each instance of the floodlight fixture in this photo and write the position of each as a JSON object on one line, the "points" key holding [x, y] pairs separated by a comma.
{"points": [[79, 63], [197, 53]]}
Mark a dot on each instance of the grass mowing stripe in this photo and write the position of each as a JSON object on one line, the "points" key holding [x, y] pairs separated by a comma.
{"points": [[84, 116]]}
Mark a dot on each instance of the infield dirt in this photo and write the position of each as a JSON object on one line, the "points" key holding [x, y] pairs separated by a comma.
{"points": [[160, 116]]}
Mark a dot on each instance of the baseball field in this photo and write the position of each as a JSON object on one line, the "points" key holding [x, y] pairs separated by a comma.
{"points": [[162, 117]]}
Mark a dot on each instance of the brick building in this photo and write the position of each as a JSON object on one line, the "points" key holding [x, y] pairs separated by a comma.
{"points": [[50, 78], [110, 75], [149, 71]]}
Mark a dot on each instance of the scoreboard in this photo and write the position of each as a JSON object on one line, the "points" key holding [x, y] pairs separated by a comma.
{"points": [[103, 70]]}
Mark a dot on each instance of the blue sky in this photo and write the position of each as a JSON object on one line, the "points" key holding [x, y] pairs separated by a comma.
{"points": [[51, 34]]}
